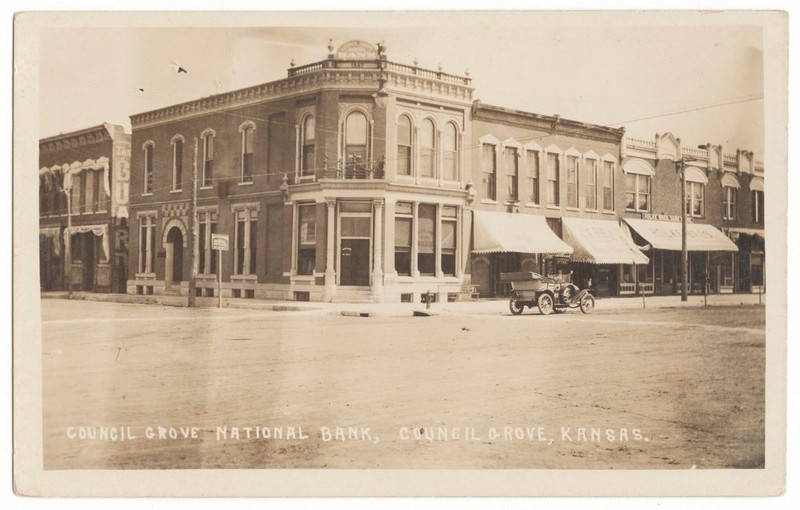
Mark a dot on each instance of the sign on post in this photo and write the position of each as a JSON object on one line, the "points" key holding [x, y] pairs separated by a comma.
{"points": [[219, 242]]}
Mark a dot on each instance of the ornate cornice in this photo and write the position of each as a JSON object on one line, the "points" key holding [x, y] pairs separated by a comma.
{"points": [[75, 139]]}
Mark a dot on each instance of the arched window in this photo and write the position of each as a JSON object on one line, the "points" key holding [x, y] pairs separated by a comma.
{"points": [[450, 149], [308, 161], [404, 145], [177, 163], [208, 159], [247, 153], [148, 167], [355, 140], [428, 145]]}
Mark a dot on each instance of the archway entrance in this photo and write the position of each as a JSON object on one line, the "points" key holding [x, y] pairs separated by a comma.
{"points": [[174, 252]]}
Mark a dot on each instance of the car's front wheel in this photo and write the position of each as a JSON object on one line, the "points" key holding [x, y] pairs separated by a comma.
{"points": [[587, 303]]}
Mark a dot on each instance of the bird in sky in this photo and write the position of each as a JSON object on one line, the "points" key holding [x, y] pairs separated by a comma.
{"points": [[178, 69], [140, 90]]}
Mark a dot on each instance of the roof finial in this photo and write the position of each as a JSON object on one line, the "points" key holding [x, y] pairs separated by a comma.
{"points": [[291, 63], [330, 45], [416, 62]]}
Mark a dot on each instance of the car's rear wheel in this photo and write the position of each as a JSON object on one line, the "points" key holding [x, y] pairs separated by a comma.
{"points": [[515, 306], [545, 303]]}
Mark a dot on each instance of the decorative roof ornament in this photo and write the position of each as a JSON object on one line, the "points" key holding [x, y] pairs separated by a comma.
{"points": [[330, 45], [291, 63], [416, 62], [357, 50]]}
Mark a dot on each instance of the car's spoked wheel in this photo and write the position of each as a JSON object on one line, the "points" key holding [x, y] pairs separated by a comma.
{"points": [[587, 304], [545, 303], [515, 306]]}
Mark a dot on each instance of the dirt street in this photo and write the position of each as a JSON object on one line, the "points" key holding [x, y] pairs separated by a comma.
{"points": [[142, 386]]}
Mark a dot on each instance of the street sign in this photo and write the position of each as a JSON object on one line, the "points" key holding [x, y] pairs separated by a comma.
{"points": [[219, 242]]}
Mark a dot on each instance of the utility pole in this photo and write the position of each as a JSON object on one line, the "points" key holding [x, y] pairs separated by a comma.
{"points": [[193, 232], [684, 250], [68, 243]]}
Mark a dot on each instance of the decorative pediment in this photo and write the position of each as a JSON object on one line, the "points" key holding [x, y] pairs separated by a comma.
{"points": [[533, 146], [489, 140], [356, 50], [756, 184], [695, 174], [668, 147], [638, 166], [591, 155], [511, 142], [572, 151], [553, 148], [730, 181]]}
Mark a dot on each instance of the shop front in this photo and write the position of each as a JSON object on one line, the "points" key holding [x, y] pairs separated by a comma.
{"points": [[511, 242], [605, 259], [710, 256], [749, 263]]}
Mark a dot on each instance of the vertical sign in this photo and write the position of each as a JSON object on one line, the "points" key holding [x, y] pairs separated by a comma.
{"points": [[219, 242]]}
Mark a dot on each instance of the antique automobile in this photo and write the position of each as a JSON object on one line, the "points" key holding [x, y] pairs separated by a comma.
{"points": [[552, 293]]}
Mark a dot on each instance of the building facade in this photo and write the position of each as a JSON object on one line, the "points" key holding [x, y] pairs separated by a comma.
{"points": [[358, 178], [83, 198]]}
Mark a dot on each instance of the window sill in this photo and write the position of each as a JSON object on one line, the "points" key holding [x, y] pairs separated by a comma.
{"points": [[244, 278], [554, 207], [532, 204], [176, 191], [608, 212], [245, 183], [591, 210], [207, 277], [574, 209], [639, 211], [145, 276], [488, 201], [146, 194], [206, 187]]}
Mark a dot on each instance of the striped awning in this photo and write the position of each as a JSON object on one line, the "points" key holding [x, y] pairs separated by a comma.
{"points": [[500, 232], [600, 242]]}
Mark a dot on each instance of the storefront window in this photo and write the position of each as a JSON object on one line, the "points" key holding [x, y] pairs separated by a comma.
{"points": [[306, 239], [449, 222], [426, 259], [403, 223]]}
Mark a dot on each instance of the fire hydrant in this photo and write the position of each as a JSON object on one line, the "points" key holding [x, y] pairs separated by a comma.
{"points": [[428, 299]]}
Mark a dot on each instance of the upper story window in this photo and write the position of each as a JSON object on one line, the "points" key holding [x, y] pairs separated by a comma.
{"points": [[148, 168], [730, 188], [208, 159], [608, 185], [553, 179], [488, 172], [695, 192], [404, 146], [532, 173], [637, 192], [247, 153], [177, 163], [308, 161], [757, 189], [450, 151], [510, 161], [590, 183], [355, 142], [572, 181], [428, 149]]}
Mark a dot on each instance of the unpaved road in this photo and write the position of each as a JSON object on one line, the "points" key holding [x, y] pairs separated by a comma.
{"points": [[657, 388]]}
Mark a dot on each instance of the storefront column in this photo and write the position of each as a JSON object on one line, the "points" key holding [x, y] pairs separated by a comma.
{"points": [[415, 241], [330, 246], [437, 243], [377, 251]]}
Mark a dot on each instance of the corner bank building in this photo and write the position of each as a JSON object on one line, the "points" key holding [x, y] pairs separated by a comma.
{"points": [[360, 179]]}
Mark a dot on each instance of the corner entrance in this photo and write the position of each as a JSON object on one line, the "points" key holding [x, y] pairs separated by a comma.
{"points": [[355, 262], [355, 243]]}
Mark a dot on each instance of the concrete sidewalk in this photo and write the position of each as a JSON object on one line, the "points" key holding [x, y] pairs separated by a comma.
{"points": [[480, 307]]}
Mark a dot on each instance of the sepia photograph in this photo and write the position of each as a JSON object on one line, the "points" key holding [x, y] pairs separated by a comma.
{"points": [[523, 246]]}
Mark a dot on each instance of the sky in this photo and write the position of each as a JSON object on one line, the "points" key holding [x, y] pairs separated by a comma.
{"points": [[702, 83]]}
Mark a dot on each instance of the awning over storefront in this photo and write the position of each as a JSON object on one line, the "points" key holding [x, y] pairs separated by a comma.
{"points": [[666, 235], [600, 242], [736, 231], [498, 232]]}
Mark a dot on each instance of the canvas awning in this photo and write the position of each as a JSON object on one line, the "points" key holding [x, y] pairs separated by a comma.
{"points": [[666, 235], [746, 231], [499, 232], [600, 242]]}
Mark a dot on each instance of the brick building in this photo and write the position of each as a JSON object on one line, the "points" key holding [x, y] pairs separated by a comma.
{"points": [[83, 180], [357, 178]]}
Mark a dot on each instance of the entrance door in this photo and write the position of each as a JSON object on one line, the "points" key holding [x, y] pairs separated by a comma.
{"points": [[355, 262], [89, 246], [175, 237], [504, 263]]}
